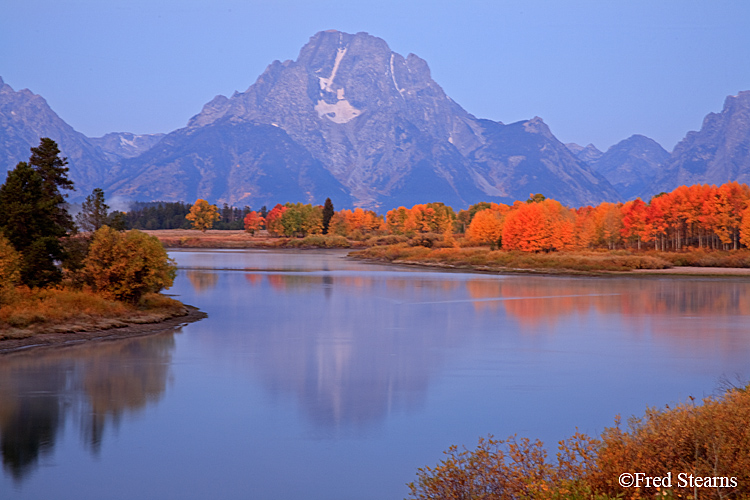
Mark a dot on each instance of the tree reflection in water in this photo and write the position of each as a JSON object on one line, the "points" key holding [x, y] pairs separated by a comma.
{"points": [[360, 345], [203, 281], [95, 384]]}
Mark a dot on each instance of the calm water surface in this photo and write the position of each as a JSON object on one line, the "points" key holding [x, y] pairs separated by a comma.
{"points": [[318, 377]]}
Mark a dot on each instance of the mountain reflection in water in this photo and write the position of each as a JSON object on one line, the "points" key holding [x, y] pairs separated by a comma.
{"points": [[93, 384], [348, 376], [353, 347]]}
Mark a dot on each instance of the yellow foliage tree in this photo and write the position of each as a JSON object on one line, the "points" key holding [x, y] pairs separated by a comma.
{"points": [[396, 219], [127, 265], [487, 225], [10, 268], [203, 215]]}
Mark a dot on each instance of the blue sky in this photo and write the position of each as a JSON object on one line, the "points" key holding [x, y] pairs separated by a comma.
{"points": [[595, 71]]}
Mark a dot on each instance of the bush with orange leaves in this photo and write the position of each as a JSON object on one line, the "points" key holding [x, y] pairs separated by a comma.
{"points": [[711, 440], [708, 440], [508, 470]]}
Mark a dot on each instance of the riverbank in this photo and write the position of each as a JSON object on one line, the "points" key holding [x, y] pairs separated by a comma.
{"points": [[57, 316], [592, 263], [137, 324], [228, 239], [480, 259]]}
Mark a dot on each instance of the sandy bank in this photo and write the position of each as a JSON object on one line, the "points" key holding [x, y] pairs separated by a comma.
{"points": [[122, 330]]}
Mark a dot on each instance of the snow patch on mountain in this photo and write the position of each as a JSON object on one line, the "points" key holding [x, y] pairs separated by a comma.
{"points": [[340, 112], [393, 76], [326, 83]]}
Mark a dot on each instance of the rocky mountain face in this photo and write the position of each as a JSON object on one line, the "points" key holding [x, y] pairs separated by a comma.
{"points": [[377, 123], [26, 117], [352, 120], [240, 162], [586, 154], [522, 158], [121, 145], [631, 165], [718, 153]]}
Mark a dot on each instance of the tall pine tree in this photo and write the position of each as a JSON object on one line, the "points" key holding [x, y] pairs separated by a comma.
{"points": [[34, 216], [327, 214], [46, 160], [94, 212]]}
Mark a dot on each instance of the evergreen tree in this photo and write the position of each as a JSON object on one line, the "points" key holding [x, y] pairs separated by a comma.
{"points": [[94, 212], [34, 218], [327, 214], [117, 220], [157, 215], [46, 161]]}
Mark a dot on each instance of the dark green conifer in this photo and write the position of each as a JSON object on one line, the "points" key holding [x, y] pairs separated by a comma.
{"points": [[34, 216], [327, 214], [94, 212]]}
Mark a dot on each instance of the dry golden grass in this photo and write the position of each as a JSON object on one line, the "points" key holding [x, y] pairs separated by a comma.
{"points": [[26, 312], [482, 258], [699, 257], [189, 238]]}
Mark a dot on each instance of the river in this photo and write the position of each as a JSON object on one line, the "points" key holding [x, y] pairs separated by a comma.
{"points": [[319, 377]]}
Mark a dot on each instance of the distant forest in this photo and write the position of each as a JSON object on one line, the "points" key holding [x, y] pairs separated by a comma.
{"points": [[171, 215]]}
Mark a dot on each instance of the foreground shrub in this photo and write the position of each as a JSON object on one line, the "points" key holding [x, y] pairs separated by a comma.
{"points": [[10, 269], [708, 440], [125, 266], [711, 440], [509, 470]]}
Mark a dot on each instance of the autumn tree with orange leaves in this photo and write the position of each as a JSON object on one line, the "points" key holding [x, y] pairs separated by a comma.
{"points": [[273, 220], [539, 226], [356, 224], [699, 216], [421, 218], [486, 226], [634, 222], [253, 222]]}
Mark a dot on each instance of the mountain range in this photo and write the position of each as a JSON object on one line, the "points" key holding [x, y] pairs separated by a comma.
{"points": [[352, 120]]}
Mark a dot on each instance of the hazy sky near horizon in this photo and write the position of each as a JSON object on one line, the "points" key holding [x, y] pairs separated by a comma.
{"points": [[595, 71]]}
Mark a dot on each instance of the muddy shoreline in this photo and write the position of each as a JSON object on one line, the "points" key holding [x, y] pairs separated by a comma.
{"points": [[58, 340]]}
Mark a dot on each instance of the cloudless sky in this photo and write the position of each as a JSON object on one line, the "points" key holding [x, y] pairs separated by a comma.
{"points": [[596, 71]]}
